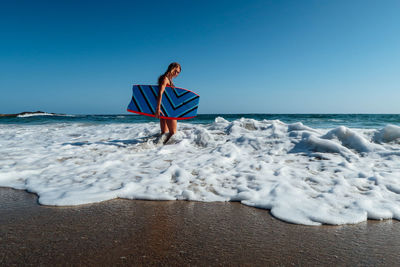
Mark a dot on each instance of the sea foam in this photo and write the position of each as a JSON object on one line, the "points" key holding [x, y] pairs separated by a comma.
{"points": [[302, 175]]}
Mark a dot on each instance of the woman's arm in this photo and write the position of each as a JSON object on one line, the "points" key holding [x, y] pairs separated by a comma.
{"points": [[160, 93]]}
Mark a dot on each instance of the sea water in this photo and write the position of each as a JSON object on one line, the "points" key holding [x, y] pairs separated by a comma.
{"points": [[306, 169]]}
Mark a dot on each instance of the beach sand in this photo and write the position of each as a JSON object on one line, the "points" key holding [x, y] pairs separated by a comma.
{"points": [[134, 232]]}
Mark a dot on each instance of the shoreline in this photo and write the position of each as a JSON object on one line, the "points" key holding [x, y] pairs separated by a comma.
{"points": [[139, 232]]}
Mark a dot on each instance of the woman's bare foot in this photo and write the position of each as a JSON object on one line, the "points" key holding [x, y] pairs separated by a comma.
{"points": [[160, 139], [168, 137]]}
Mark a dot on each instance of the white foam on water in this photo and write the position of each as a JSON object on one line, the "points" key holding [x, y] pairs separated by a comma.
{"points": [[43, 114], [302, 175], [390, 133]]}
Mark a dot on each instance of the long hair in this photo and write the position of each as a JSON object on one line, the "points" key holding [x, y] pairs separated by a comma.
{"points": [[168, 73]]}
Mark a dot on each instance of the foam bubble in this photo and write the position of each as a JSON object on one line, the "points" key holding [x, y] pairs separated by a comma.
{"points": [[388, 134]]}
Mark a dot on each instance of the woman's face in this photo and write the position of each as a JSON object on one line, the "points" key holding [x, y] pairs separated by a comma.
{"points": [[176, 72]]}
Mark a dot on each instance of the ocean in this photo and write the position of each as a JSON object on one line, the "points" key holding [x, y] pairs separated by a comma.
{"points": [[313, 120], [307, 169]]}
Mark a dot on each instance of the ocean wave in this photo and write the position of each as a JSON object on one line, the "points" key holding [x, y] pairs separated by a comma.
{"points": [[43, 114], [301, 174]]}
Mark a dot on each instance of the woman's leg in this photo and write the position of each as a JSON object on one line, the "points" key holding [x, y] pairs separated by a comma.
{"points": [[172, 125], [163, 126]]}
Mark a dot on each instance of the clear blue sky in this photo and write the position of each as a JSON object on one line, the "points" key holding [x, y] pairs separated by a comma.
{"points": [[81, 57]]}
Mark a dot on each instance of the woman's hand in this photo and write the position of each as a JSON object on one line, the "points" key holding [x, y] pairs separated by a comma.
{"points": [[160, 93], [157, 113]]}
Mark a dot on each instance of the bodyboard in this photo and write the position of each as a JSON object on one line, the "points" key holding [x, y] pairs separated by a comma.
{"points": [[176, 103]]}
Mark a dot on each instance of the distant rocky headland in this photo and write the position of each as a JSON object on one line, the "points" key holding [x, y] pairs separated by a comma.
{"points": [[29, 113]]}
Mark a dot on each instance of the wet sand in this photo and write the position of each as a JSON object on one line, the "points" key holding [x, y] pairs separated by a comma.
{"points": [[134, 232]]}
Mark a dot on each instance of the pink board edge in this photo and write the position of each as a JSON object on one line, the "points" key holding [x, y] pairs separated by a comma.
{"points": [[162, 117]]}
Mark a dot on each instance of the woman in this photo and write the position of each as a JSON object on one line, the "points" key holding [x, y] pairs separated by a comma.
{"points": [[167, 126]]}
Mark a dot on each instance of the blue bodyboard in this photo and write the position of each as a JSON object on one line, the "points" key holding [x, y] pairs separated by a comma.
{"points": [[176, 103]]}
